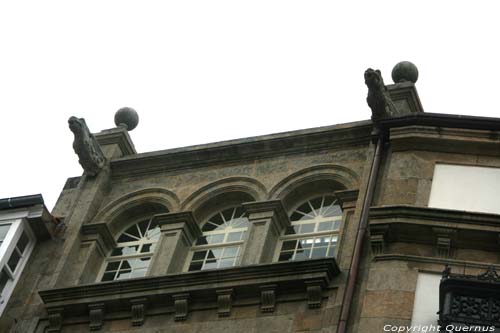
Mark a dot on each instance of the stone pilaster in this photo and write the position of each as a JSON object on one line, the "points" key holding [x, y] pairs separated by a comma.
{"points": [[267, 222], [179, 231]]}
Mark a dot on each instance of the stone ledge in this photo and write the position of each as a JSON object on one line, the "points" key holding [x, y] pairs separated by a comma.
{"points": [[245, 281], [424, 225]]}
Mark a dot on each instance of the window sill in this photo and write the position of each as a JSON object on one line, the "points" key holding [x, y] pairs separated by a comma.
{"points": [[308, 276]]}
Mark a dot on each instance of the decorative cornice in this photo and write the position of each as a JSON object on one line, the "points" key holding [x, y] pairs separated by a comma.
{"points": [[439, 227], [274, 209], [235, 151], [347, 198], [184, 221], [290, 275], [96, 231]]}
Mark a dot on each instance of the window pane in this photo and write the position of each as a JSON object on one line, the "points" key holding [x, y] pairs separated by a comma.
{"points": [[285, 256], [234, 236], [319, 252], [126, 238], [209, 264], [289, 245], [302, 254], [202, 241], [3, 231], [123, 275], [113, 266], [108, 276], [290, 230], [331, 250], [147, 248], [139, 263], [138, 273], [231, 251], [227, 263], [199, 255], [14, 260], [305, 228], [195, 266], [22, 243], [324, 226], [215, 239]]}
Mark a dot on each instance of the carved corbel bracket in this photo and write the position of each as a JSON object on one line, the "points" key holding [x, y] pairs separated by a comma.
{"points": [[443, 240], [314, 290], [55, 320], [96, 316], [268, 298], [378, 237], [138, 310], [224, 302], [181, 305]]}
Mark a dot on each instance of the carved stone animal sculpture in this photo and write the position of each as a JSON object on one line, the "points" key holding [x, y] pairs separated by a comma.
{"points": [[86, 147], [378, 98]]}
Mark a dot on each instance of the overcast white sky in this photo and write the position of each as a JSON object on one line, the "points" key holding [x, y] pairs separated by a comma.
{"points": [[205, 71]]}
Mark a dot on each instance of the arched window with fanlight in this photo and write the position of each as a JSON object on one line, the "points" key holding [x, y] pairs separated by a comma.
{"points": [[314, 230], [133, 253], [222, 241]]}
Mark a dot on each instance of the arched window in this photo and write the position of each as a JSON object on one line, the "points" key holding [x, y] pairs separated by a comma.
{"points": [[314, 230], [132, 255], [222, 240]]}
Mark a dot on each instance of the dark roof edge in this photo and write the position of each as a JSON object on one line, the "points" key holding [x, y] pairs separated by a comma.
{"points": [[19, 202], [443, 120]]}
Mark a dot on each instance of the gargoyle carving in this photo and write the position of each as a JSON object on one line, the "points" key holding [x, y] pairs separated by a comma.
{"points": [[86, 147], [378, 97]]}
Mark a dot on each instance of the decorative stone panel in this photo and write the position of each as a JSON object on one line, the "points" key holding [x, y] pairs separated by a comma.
{"points": [[268, 298], [224, 302], [181, 305], [138, 310], [96, 316]]}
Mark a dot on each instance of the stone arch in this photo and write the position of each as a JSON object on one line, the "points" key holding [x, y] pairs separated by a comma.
{"points": [[319, 179], [119, 213], [223, 193]]}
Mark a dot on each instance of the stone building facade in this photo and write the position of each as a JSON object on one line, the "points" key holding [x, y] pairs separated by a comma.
{"points": [[331, 229]]}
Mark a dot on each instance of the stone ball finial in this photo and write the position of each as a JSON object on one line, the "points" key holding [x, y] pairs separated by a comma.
{"points": [[127, 117], [405, 71]]}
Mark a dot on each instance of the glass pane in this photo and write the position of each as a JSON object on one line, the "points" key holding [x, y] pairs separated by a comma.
{"points": [[234, 236], [302, 254], [125, 265], [323, 241], [153, 234], [126, 238], [130, 250], [336, 225], [331, 251], [117, 252], [306, 243], [324, 226], [133, 231], [138, 272], [228, 214], [22, 243], [285, 256], [214, 239], [199, 255], [227, 263], [13, 260], [113, 266], [3, 231], [209, 264], [123, 275], [143, 226], [202, 241], [108, 276], [289, 245], [319, 252], [305, 228], [139, 263], [195, 266], [146, 248], [214, 253], [231, 251]]}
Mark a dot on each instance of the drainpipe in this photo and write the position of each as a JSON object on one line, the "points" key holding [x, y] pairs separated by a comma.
{"points": [[353, 271]]}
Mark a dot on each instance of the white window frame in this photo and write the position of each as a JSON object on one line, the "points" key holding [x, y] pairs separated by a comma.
{"points": [[226, 231], [315, 233], [17, 227], [139, 243]]}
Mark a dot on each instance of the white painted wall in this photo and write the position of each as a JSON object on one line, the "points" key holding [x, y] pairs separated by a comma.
{"points": [[426, 304], [467, 188]]}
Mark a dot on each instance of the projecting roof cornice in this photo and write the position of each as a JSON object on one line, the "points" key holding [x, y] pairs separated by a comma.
{"points": [[233, 151]]}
